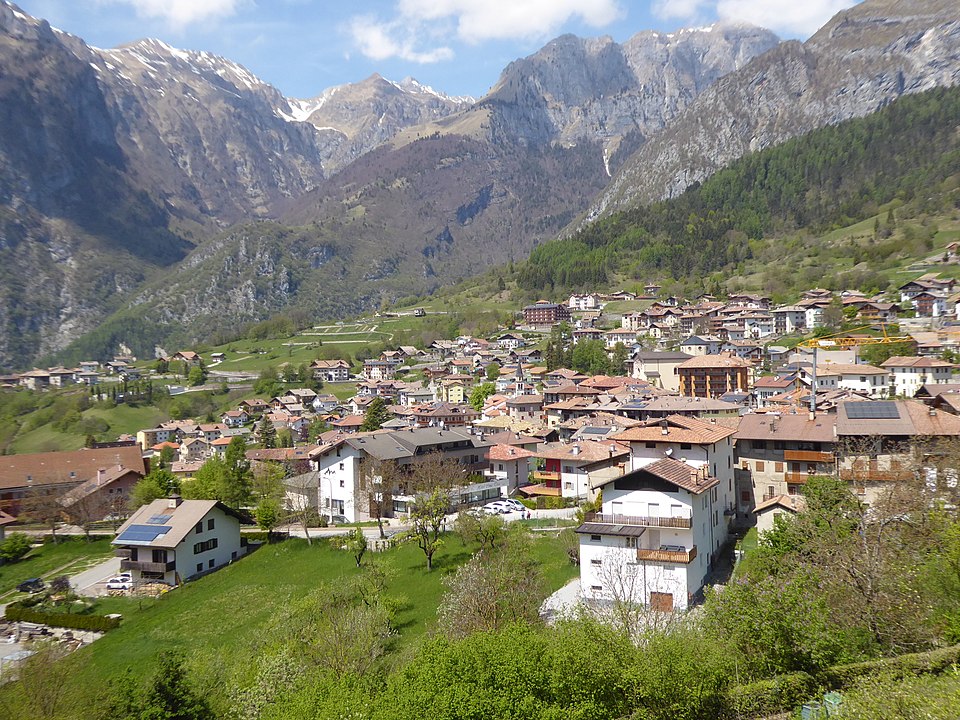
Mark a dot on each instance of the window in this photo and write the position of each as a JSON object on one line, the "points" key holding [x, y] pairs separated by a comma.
{"points": [[342, 482], [651, 445], [199, 567], [210, 524], [760, 465], [341, 466], [597, 562], [759, 444], [206, 545], [684, 446], [210, 564], [199, 527], [630, 542], [596, 588], [778, 466], [595, 538], [745, 496], [778, 444]]}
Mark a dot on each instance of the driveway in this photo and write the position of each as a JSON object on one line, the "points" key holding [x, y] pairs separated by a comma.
{"points": [[90, 582]]}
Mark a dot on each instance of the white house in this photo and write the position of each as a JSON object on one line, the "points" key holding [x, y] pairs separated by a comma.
{"points": [[909, 374], [873, 381], [509, 467], [568, 467], [589, 301], [172, 540], [656, 537], [696, 345], [789, 319]]}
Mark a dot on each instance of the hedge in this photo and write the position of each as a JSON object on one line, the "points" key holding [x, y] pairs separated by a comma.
{"points": [[768, 697], [911, 665], [787, 691], [16, 612]]}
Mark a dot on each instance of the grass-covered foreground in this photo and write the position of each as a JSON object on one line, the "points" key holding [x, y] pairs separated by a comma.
{"points": [[66, 557]]}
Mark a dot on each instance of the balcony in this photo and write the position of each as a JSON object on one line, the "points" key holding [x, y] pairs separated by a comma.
{"points": [[669, 556], [808, 456], [642, 521], [797, 478], [543, 475], [145, 566]]}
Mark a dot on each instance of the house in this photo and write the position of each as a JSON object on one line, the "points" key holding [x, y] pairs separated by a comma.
{"points": [[172, 540], [696, 345], [526, 407], [568, 467], [445, 415], [189, 357], [590, 301], [107, 491], [769, 510], [909, 374], [338, 464], [35, 379], [545, 313], [235, 418], [769, 386], [711, 376], [872, 381], [655, 540], [217, 357], [510, 341], [4, 521], [330, 370], [619, 335], [254, 407], [56, 472], [376, 370], [509, 467], [776, 453], [659, 368], [789, 319]]}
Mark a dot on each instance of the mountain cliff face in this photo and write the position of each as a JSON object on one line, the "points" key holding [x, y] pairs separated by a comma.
{"points": [[121, 168], [858, 62]]}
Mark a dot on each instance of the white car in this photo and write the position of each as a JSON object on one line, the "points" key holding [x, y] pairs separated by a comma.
{"points": [[123, 581], [515, 505], [498, 507]]}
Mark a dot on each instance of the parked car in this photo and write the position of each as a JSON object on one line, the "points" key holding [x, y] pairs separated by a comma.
{"points": [[515, 505], [33, 585], [498, 506], [338, 519], [120, 582]]}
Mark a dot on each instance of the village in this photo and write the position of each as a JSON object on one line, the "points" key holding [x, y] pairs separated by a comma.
{"points": [[710, 418]]}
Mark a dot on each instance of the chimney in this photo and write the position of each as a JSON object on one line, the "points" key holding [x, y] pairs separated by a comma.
{"points": [[575, 450], [99, 475], [664, 428], [174, 501]]}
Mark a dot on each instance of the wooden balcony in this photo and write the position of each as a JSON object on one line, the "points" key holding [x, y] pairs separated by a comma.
{"points": [[543, 475], [797, 478], [669, 556], [639, 520], [145, 566], [808, 456]]}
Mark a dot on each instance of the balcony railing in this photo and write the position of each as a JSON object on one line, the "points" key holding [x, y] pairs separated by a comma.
{"points": [[671, 556], [797, 478], [808, 456], [545, 475], [146, 566], [640, 520]]}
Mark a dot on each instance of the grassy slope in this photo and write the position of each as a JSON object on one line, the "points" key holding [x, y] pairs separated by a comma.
{"points": [[223, 613], [122, 419]]}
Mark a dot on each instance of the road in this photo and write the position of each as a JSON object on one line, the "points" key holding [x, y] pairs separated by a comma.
{"points": [[87, 582]]}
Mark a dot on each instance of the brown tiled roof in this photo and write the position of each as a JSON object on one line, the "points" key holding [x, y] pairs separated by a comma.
{"points": [[912, 361], [526, 400], [677, 429], [6, 519], [793, 503], [504, 453], [768, 426], [848, 369], [583, 452], [52, 468], [713, 361]]}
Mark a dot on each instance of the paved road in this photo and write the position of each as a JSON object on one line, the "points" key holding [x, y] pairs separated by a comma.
{"points": [[85, 583]]}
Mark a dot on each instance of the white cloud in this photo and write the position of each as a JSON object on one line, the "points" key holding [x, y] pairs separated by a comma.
{"points": [[424, 23], [379, 41], [799, 18], [181, 13]]}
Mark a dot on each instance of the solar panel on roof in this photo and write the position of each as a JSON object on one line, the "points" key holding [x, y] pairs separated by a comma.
{"points": [[142, 534], [872, 410], [158, 519]]}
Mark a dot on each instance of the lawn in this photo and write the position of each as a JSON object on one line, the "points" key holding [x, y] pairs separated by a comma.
{"points": [[223, 613], [49, 560]]}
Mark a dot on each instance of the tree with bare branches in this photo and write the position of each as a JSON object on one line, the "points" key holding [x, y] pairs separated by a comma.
{"points": [[376, 480], [431, 480], [42, 505]]}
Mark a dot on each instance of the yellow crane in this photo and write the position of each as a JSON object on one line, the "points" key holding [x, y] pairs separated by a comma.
{"points": [[840, 341]]}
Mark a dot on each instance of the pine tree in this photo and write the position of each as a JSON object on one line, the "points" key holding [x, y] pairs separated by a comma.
{"points": [[375, 416], [267, 433]]}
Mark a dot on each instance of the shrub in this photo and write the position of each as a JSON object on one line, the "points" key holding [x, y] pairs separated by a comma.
{"points": [[931, 662], [767, 697], [17, 612], [14, 547]]}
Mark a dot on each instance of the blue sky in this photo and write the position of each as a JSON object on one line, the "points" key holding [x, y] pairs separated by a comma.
{"points": [[456, 46]]}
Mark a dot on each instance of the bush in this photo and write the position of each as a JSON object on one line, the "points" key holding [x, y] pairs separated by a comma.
{"points": [[931, 662], [767, 697], [14, 547], [17, 612]]}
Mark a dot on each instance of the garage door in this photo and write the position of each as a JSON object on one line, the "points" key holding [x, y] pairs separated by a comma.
{"points": [[661, 601]]}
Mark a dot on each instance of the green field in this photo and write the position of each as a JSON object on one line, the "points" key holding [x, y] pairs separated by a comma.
{"points": [[224, 613], [50, 560], [121, 419]]}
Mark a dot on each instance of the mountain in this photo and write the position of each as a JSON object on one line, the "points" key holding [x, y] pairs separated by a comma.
{"points": [[441, 200], [358, 117], [861, 60]]}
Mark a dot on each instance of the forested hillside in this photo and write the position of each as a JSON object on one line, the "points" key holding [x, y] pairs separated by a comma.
{"points": [[910, 151]]}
